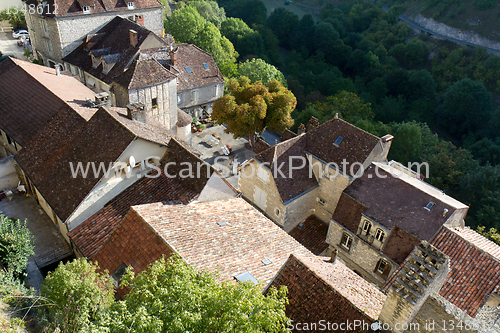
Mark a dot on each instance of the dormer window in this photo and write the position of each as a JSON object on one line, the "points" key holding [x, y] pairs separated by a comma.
{"points": [[206, 65], [429, 205], [338, 140], [188, 70], [130, 5], [367, 227], [86, 9]]}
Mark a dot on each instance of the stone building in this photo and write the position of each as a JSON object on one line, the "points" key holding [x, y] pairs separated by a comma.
{"points": [[306, 174], [23, 115], [58, 26], [383, 215]]}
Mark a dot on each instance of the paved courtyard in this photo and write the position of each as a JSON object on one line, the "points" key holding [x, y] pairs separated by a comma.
{"points": [[212, 152], [49, 243], [8, 46]]}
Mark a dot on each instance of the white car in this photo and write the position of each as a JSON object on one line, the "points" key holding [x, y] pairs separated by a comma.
{"points": [[21, 33]]}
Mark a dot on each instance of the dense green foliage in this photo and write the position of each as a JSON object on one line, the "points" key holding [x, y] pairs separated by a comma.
{"points": [[259, 70], [250, 108], [77, 293], [16, 245], [15, 16]]}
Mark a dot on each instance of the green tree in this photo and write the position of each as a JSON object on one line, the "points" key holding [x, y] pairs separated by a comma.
{"points": [[466, 108], [79, 293], [15, 16], [282, 22], [245, 40], [251, 108], [210, 11], [259, 70], [16, 244], [347, 104], [253, 12], [172, 296], [407, 144]]}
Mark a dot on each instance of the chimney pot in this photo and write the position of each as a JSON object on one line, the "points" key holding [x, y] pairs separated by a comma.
{"points": [[445, 211], [387, 138], [173, 56], [301, 129], [58, 70], [333, 256], [133, 37], [135, 111]]}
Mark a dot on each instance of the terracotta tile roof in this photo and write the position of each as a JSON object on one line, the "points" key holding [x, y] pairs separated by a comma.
{"points": [[101, 139], [145, 73], [75, 7], [320, 290], [240, 246], [391, 202], [94, 232], [189, 55], [474, 268], [113, 40], [355, 146], [260, 146], [312, 234], [23, 115]]}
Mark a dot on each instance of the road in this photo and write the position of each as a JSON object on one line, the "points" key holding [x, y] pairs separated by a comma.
{"points": [[458, 41], [8, 46]]}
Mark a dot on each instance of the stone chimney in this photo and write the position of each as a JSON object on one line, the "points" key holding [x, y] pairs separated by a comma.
{"points": [[386, 145], [333, 255], [423, 275], [312, 123], [173, 56], [301, 129], [136, 111], [133, 37]]}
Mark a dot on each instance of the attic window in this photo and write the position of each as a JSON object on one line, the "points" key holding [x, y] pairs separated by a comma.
{"points": [[246, 277], [188, 70], [154, 102], [223, 223], [130, 5], [267, 261], [206, 65], [429, 205], [338, 141], [86, 9]]}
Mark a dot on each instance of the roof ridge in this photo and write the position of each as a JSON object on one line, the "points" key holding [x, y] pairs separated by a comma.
{"points": [[455, 231], [348, 123]]}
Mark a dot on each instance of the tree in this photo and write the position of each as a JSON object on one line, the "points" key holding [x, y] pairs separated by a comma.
{"points": [[466, 108], [253, 12], [15, 16], [259, 70], [245, 40], [16, 244], [172, 296], [251, 108], [282, 22], [347, 104], [210, 11], [78, 293]]}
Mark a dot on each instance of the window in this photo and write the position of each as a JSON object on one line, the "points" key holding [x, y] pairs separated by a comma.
{"points": [[118, 274], [179, 99], [154, 102], [86, 9], [195, 95], [383, 267], [9, 139], [429, 205], [338, 140], [48, 46], [44, 24], [188, 70], [346, 241], [130, 5], [278, 212], [367, 226], [322, 202], [380, 235], [206, 65]]}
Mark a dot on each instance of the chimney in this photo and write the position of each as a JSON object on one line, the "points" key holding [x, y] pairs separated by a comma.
{"points": [[301, 129], [135, 111], [445, 211], [173, 56], [58, 70], [133, 37], [386, 145], [312, 123], [333, 256]]}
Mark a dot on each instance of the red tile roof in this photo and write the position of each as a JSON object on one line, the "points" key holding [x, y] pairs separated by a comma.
{"points": [[330, 292], [23, 113], [240, 246], [94, 232], [474, 268], [312, 234]]}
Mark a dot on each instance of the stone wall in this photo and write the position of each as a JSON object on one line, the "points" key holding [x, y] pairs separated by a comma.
{"points": [[300, 208], [191, 101]]}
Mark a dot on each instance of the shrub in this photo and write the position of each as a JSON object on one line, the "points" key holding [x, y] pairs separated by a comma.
{"points": [[16, 244]]}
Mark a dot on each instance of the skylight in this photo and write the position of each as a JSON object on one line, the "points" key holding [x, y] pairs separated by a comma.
{"points": [[429, 205], [246, 277], [223, 223], [267, 261], [206, 65], [188, 70], [338, 141]]}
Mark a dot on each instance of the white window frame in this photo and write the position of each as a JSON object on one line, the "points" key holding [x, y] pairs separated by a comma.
{"points": [[367, 227], [86, 9], [130, 5], [380, 235], [385, 262], [179, 99], [347, 244]]}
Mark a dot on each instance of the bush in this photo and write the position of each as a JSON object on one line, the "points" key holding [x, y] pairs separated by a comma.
{"points": [[16, 244]]}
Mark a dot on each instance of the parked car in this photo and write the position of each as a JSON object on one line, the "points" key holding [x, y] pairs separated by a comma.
{"points": [[21, 33]]}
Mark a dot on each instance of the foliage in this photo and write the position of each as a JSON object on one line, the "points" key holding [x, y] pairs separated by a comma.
{"points": [[259, 70], [252, 12], [245, 40], [282, 22], [349, 106], [210, 11], [79, 293], [15, 17], [16, 244], [491, 234], [172, 296], [251, 108]]}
